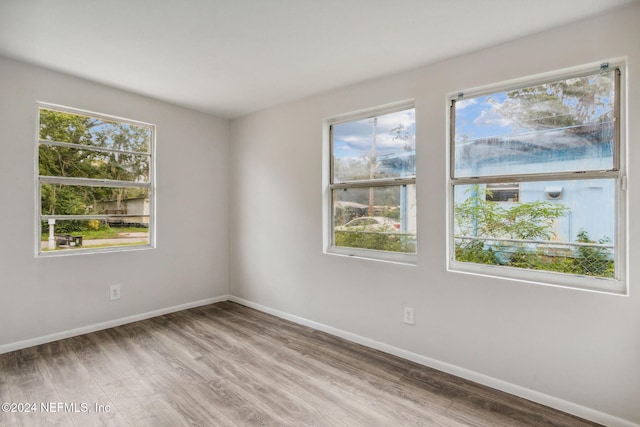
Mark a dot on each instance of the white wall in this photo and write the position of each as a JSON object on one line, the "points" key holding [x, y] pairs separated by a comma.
{"points": [[574, 349], [43, 297]]}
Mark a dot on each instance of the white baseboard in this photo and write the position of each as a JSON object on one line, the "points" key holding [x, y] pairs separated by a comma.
{"points": [[6, 348], [544, 399]]}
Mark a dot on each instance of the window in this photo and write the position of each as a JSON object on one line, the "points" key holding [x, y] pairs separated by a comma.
{"points": [[503, 192], [372, 184], [95, 188], [552, 150]]}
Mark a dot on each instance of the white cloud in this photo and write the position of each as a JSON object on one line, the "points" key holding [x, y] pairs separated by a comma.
{"points": [[352, 139], [390, 121], [461, 105], [492, 117]]}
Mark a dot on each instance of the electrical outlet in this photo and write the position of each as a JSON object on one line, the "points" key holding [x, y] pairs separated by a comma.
{"points": [[114, 292], [408, 316]]}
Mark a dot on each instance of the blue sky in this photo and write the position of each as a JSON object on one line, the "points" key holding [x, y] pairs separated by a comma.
{"points": [[478, 118]]}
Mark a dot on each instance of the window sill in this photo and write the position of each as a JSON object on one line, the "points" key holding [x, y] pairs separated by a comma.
{"points": [[90, 251]]}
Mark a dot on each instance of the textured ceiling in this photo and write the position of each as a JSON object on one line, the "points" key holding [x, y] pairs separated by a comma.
{"points": [[231, 58]]}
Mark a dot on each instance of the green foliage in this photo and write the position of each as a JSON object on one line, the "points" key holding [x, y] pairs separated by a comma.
{"points": [[593, 261], [73, 226], [103, 232], [474, 251], [94, 224], [106, 232], [62, 199], [381, 240], [538, 260], [476, 216], [523, 221]]}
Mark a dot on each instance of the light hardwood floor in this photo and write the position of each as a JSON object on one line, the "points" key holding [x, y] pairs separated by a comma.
{"points": [[229, 365]]}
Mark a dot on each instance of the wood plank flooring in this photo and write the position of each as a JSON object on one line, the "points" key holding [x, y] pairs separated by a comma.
{"points": [[229, 365]]}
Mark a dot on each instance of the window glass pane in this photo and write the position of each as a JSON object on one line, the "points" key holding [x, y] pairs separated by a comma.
{"points": [[61, 126], [562, 126], [374, 148], [92, 233], [58, 199], [379, 218], [562, 226], [71, 162]]}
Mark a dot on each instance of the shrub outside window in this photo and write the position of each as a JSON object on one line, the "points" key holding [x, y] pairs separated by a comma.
{"points": [[372, 184], [95, 189], [536, 183]]}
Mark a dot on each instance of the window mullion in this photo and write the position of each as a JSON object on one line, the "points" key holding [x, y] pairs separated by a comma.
{"points": [[91, 148], [373, 183], [568, 176], [92, 182], [85, 217]]}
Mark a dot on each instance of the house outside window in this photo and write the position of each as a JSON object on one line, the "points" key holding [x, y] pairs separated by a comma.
{"points": [[94, 182], [372, 184], [550, 153], [503, 192]]}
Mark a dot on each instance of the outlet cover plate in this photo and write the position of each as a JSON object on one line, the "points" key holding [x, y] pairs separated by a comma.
{"points": [[408, 316]]}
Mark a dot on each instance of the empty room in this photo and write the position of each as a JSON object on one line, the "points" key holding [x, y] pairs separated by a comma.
{"points": [[330, 213]]}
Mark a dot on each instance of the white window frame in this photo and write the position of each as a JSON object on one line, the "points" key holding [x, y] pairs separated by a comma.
{"points": [[616, 285], [329, 186], [39, 180]]}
